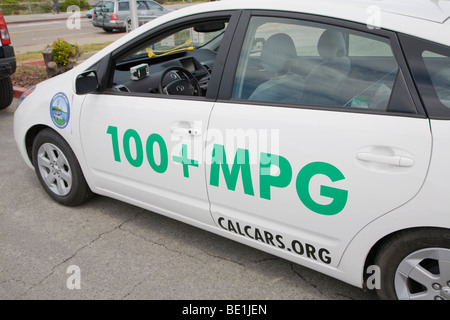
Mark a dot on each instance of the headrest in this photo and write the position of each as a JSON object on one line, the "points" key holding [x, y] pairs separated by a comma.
{"points": [[278, 53], [331, 45]]}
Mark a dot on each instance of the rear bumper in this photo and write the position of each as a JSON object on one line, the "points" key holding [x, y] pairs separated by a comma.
{"points": [[7, 61]]}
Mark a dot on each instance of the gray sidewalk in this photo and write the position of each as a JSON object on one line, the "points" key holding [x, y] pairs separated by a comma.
{"points": [[24, 18]]}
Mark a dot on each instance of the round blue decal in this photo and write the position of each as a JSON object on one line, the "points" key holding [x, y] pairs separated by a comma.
{"points": [[60, 110]]}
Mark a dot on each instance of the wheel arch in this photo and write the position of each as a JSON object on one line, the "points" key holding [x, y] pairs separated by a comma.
{"points": [[30, 136], [370, 258], [80, 190]]}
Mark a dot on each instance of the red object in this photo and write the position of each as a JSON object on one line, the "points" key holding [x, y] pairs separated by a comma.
{"points": [[114, 16], [18, 91], [4, 34]]}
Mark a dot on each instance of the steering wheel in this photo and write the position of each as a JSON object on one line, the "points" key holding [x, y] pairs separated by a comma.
{"points": [[185, 84]]}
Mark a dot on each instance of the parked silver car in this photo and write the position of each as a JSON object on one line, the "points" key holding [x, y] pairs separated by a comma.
{"points": [[115, 14]]}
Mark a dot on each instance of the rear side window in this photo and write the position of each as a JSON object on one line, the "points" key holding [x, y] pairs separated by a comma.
{"points": [[124, 6], [109, 6], [307, 63], [141, 5], [153, 5], [438, 67], [430, 65]]}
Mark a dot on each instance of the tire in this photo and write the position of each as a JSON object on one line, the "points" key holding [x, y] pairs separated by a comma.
{"points": [[58, 169], [415, 265], [128, 27], [6, 92]]}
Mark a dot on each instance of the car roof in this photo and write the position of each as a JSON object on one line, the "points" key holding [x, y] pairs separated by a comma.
{"points": [[428, 19], [432, 10]]}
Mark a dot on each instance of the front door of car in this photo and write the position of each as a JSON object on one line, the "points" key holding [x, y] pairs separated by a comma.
{"points": [[320, 137], [143, 149], [147, 148]]}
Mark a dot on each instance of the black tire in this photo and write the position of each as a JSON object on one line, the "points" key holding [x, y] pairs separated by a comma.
{"points": [[418, 247], [6, 92], [54, 163]]}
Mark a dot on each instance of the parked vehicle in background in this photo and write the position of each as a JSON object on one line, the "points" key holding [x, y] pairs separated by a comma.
{"points": [[115, 14], [7, 65]]}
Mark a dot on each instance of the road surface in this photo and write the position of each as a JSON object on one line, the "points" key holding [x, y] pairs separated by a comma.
{"points": [[36, 35], [120, 251]]}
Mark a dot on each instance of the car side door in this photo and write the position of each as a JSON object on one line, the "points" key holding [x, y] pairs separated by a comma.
{"points": [[142, 145], [315, 134]]}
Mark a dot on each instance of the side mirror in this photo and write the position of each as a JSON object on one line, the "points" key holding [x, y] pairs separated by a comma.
{"points": [[86, 82], [257, 45]]}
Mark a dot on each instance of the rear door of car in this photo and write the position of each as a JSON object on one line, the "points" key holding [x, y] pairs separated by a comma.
{"points": [[307, 148]]}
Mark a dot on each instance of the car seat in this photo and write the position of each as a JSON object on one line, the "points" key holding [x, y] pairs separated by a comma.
{"points": [[323, 81], [278, 56]]}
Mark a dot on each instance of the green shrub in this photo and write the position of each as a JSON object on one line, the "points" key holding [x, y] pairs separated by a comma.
{"points": [[83, 4], [62, 51], [25, 7]]}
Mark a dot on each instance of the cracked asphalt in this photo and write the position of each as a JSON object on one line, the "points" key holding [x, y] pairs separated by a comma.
{"points": [[124, 252]]}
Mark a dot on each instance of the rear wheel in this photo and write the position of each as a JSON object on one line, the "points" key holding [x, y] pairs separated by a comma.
{"points": [[6, 92], [58, 169], [415, 265]]}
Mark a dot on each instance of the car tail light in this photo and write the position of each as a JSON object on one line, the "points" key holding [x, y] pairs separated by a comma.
{"points": [[4, 35], [114, 16]]}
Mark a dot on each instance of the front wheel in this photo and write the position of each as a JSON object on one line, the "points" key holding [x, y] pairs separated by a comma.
{"points": [[58, 169], [415, 265]]}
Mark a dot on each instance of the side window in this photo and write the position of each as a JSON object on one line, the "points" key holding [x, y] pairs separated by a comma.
{"points": [[124, 6], [109, 6], [179, 63], [141, 5], [153, 5], [438, 67], [429, 63], [307, 63]]}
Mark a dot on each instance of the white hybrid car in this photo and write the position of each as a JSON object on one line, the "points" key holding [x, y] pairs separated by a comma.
{"points": [[317, 131]]}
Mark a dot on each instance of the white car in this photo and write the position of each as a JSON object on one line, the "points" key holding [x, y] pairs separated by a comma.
{"points": [[317, 131]]}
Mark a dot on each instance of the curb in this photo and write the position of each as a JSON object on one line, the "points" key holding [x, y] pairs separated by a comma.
{"points": [[34, 63], [18, 91]]}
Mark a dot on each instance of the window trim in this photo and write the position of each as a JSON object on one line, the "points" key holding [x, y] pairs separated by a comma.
{"points": [[225, 93]]}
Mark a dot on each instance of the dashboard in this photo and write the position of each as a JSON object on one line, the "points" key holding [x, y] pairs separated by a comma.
{"points": [[199, 63]]}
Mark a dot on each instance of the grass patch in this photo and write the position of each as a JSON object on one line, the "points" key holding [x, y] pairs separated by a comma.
{"points": [[28, 56]]}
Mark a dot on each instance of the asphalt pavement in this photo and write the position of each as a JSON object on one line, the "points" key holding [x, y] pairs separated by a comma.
{"points": [[107, 249]]}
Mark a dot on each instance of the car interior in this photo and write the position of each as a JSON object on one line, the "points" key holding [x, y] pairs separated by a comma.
{"points": [[270, 68], [333, 77], [179, 64]]}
